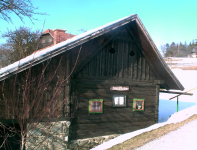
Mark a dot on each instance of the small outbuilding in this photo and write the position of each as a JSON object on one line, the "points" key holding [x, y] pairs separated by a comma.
{"points": [[194, 52], [111, 77]]}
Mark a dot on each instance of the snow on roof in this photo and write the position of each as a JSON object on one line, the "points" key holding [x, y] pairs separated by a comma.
{"points": [[27, 60]]}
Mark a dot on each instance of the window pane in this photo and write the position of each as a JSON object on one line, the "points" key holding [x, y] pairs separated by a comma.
{"points": [[116, 100], [139, 105], [96, 106], [121, 100]]}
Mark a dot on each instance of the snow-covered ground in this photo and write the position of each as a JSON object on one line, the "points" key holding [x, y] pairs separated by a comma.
{"points": [[181, 61], [188, 78]]}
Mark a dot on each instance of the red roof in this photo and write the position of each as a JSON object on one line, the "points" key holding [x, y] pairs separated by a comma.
{"points": [[57, 33]]}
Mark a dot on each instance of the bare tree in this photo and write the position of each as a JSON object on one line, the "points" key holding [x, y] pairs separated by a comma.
{"points": [[21, 8], [20, 43], [5, 53], [163, 49], [26, 101]]}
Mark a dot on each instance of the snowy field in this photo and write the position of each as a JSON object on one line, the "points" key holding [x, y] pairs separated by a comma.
{"points": [[188, 78]]}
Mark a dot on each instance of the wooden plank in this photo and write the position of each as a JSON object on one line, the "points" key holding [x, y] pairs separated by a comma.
{"points": [[115, 59], [113, 81], [112, 119], [110, 125], [148, 73], [108, 59], [124, 39], [100, 72], [149, 103], [121, 60], [135, 64], [103, 62], [132, 64], [112, 65], [116, 110], [111, 61], [118, 60], [157, 103], [127, 66], [107, 90], [98, 65], [100, 92], [139, 67], [144, 69]]}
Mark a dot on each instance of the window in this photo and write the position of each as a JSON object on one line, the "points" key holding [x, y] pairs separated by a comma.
{"points": [[43, 41], [138, 104], [95, 106], [50, 40], [119, 100]]}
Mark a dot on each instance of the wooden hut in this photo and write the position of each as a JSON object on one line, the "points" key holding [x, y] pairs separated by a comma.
{"points": [[116, 73]]}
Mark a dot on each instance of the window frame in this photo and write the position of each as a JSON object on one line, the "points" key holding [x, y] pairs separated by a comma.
{"points": [[134, 104], [119, 105], [90, 105]]}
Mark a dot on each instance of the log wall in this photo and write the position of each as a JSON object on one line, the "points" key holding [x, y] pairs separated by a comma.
{"points": [[38, 92], [94, 81], [113, 120]]}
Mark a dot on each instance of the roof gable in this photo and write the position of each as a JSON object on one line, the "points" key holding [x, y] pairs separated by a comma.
{"points": [[136, 31]]}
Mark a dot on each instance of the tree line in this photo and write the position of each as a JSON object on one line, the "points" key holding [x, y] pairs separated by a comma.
{"points": [[177, 49]]}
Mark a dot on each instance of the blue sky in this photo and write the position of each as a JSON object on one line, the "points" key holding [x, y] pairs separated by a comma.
{"points": [[165, 20]]}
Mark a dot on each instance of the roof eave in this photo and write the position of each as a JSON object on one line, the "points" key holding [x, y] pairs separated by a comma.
{"points": [[154, 47]]}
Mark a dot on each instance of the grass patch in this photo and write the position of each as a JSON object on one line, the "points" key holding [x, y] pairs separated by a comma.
{"points": [[146, 137]]}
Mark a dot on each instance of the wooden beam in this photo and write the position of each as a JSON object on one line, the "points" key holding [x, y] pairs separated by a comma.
{"points": [[157, 103], [94, 53], [124, 39], [174, 92], [158, 82]]}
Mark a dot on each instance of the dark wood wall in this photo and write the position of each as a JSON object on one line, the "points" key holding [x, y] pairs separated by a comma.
{"points": [[42, 90], [94, 81], [120, 64], [95, 71], [56, 70]]}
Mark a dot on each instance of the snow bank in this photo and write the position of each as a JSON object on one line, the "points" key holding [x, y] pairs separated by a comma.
{"points": [[182, 115]]}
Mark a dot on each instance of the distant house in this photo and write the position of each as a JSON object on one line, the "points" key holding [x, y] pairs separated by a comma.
{"points": [[194, 52], [116, 73], [51, 37]]}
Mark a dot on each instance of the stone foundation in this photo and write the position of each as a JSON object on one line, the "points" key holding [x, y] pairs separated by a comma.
{"points": [[48, 135], [89, 143], [54, 136]]}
